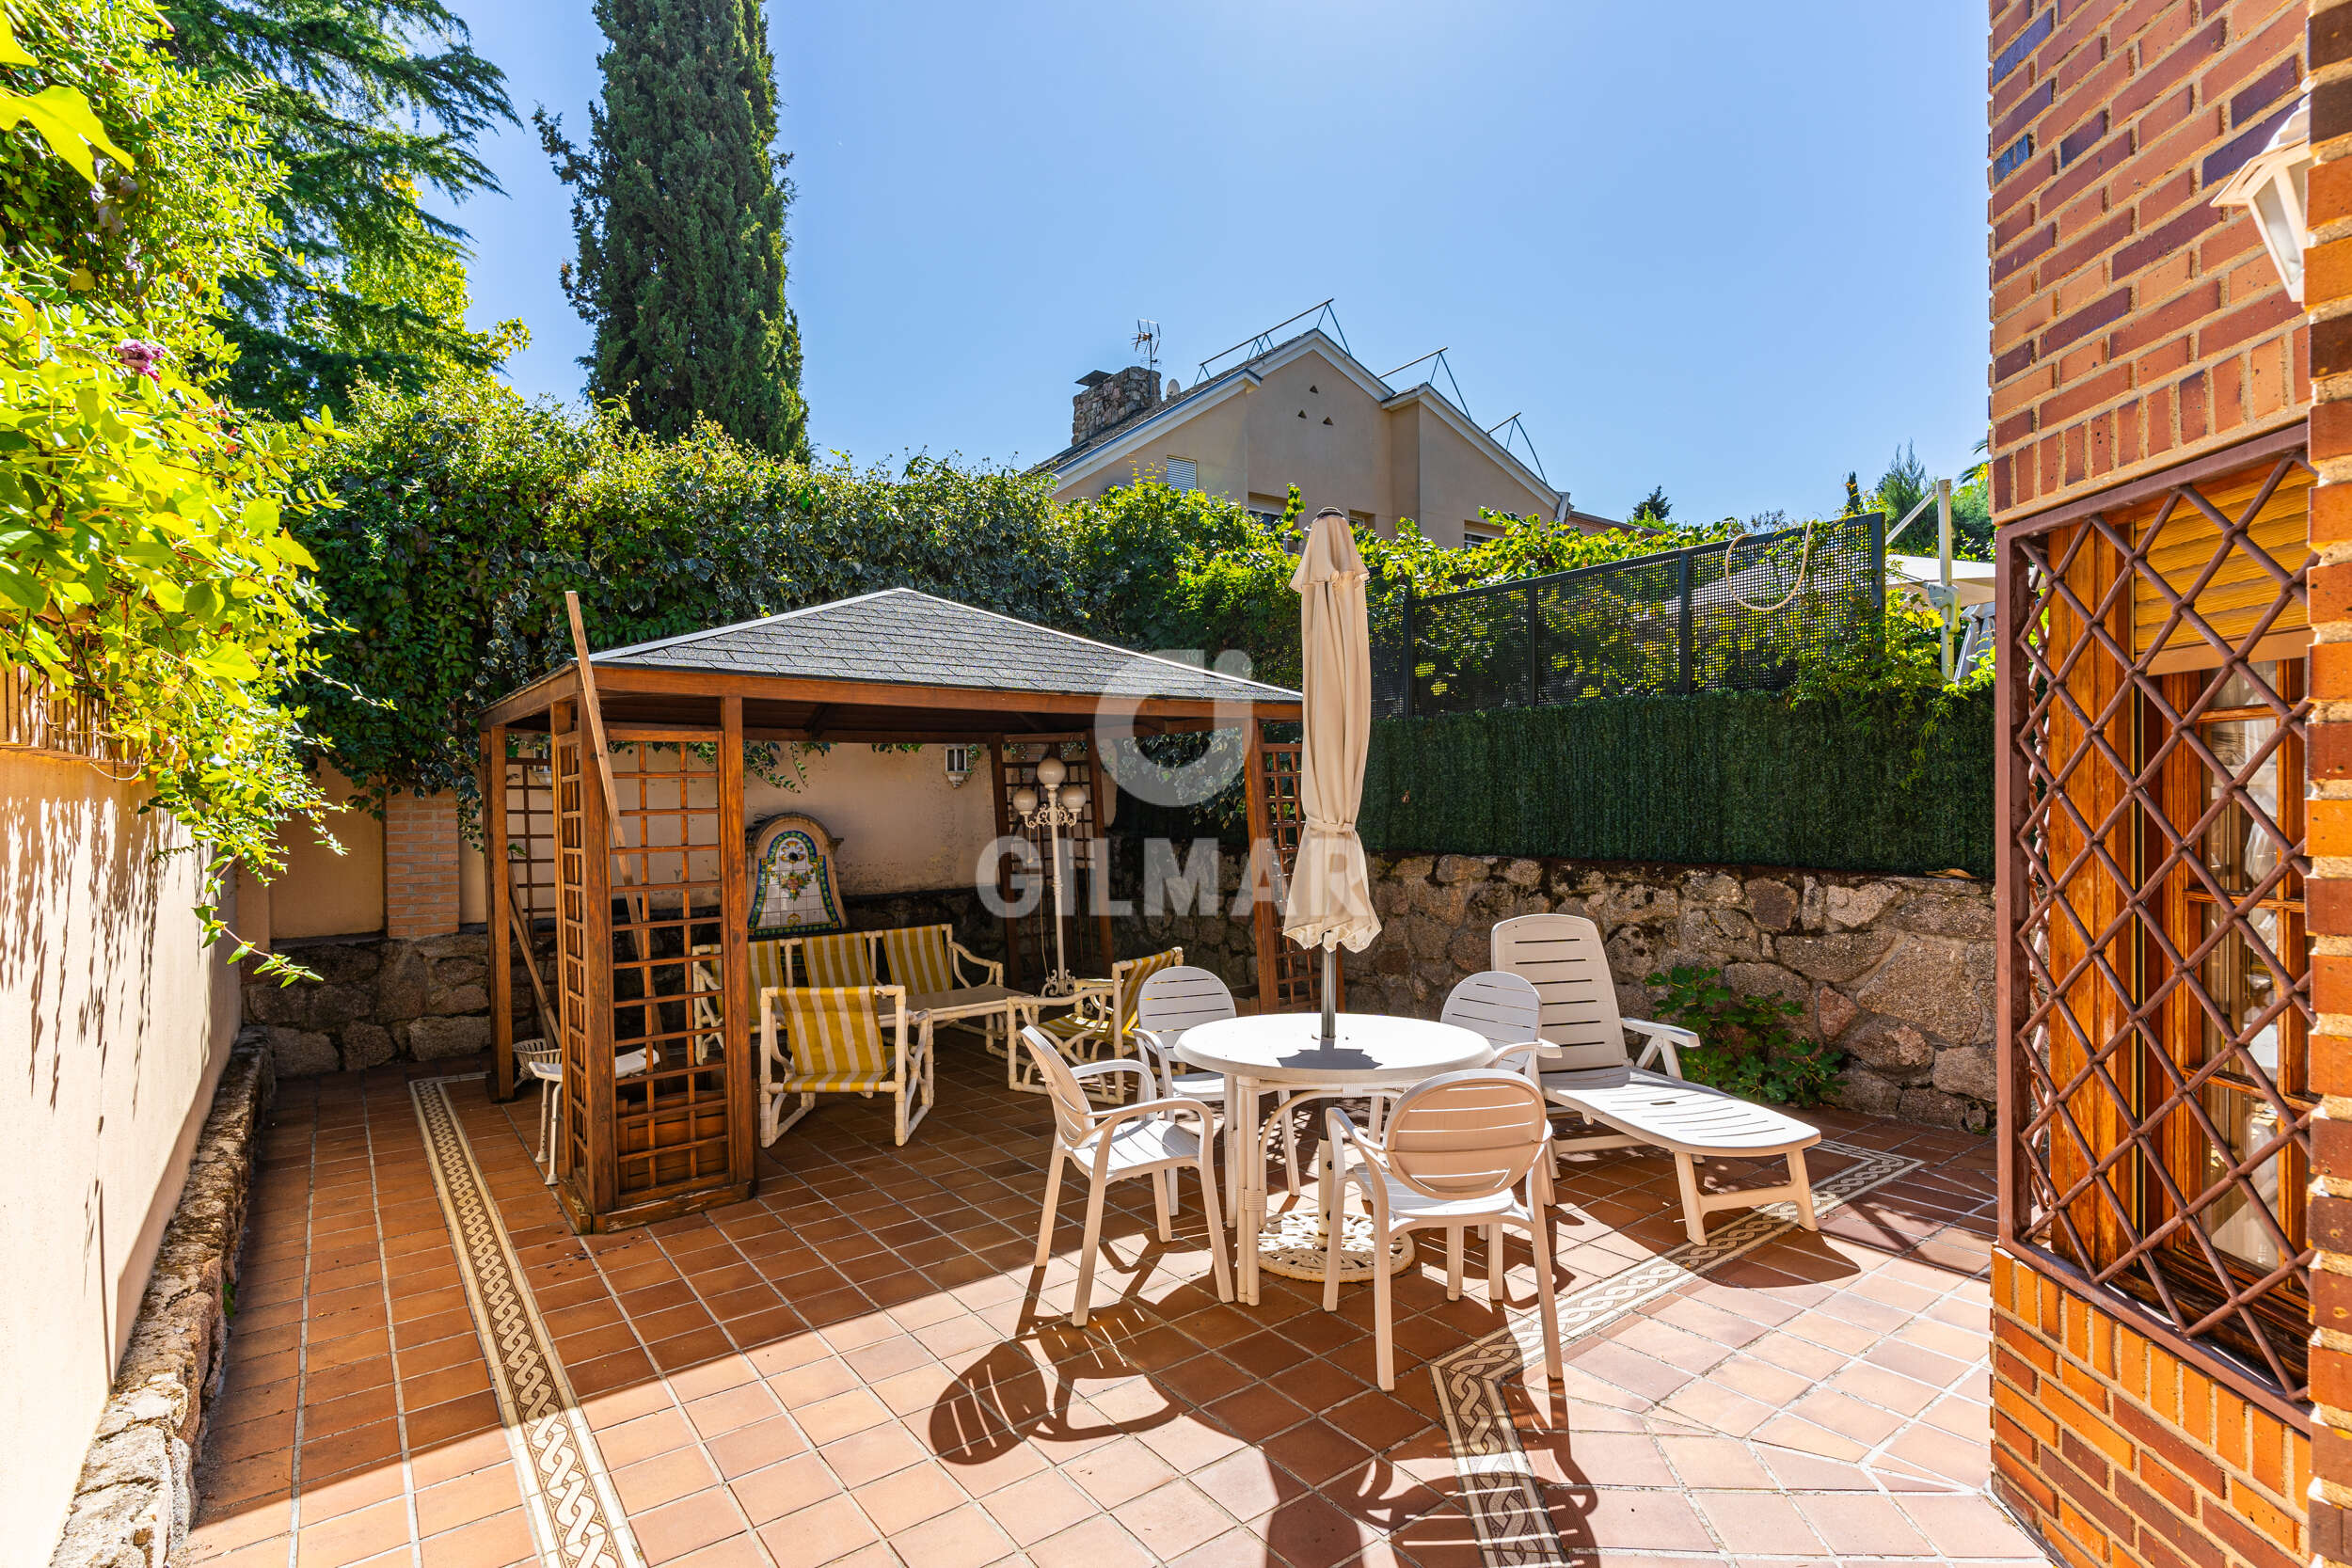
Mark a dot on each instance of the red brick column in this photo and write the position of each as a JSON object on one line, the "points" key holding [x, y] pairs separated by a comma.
{"points": [[419, 866], [2328, 297]]}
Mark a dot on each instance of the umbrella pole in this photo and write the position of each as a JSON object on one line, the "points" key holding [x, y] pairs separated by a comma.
{"points": [[1331, 992]]}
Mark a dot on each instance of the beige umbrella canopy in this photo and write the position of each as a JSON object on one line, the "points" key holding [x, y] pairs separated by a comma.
{"points": [[1330, 893]]}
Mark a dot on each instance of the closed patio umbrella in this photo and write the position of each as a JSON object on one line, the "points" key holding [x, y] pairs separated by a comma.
{"points": [[1330, 893]]}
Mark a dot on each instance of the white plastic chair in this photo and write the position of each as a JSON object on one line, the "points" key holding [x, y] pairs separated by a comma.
{"points": [[1182, 998], [545, 1061], [1584, 1067], [1503, 1008], [1457, 1149], [1148, 1138]]}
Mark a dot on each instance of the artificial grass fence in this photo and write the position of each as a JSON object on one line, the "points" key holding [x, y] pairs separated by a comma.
{"points": [[1897, 784]]}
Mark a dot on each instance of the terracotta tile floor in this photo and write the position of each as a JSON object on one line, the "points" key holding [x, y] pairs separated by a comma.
{"points": [[858, 1367]]}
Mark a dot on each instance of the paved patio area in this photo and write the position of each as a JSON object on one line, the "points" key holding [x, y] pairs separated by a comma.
{"points": [[859, 1366]]}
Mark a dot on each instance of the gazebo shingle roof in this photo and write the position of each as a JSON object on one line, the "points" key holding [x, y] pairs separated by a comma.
{"points": [[900, 636]]}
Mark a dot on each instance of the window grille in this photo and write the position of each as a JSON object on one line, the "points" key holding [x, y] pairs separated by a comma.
{"points": [[2155, 994], [1183, 474]]}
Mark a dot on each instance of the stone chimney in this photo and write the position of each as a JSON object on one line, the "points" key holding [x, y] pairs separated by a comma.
{"points": [[1110, 400]]}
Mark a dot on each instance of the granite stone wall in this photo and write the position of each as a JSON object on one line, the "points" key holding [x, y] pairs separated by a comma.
{"points": [[376, 999], [1895, 971]]}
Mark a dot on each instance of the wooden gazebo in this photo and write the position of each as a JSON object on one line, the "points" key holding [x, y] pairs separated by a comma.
{"points": [[613, 792]]}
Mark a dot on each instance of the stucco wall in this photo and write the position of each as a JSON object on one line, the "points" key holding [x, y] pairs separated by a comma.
{"points": [[322, 894], [901, 826], [903, 831], [115, 1023], [1453, 479]]}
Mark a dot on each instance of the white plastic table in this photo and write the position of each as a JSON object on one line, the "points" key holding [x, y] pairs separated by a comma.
{"points": [[1281, 1053]]}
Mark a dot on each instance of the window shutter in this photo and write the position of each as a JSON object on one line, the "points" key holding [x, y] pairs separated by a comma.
{"points": [[1183, 474]]}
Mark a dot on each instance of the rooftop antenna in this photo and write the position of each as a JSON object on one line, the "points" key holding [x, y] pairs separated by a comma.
{"points": [[1147, 343]]}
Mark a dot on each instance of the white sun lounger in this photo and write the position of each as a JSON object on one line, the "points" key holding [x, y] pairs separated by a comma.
{"points": [[1586, 1070]]}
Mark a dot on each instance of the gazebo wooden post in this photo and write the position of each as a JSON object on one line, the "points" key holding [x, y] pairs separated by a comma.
{"points": [[742, 1046], [1259, 815], [502, 957]]}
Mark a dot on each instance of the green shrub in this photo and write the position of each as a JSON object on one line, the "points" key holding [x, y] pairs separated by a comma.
{"points": [[1748, 1047]]}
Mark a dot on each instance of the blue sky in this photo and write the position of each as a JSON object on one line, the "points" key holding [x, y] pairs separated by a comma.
{"points": [[1731, 248]]}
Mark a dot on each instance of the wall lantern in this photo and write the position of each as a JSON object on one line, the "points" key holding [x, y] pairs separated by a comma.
{"points": [[960, 764], [2271, 185]]}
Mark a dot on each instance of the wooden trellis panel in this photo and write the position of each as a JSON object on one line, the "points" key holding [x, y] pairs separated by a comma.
{"points": [[2117, 912], [1086, 933], [578, 986], [520, 837], [1289, 976], [654, 963]]}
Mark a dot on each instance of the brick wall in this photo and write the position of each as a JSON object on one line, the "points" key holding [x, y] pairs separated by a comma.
{"points": [[2328, 293], [420, 867], [2119, 1453], [2134, 324]]}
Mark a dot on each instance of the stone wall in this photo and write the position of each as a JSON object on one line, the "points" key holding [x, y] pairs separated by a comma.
{"points": [[137, 1494], [380, 999], [377, 999], [1895, 971]]}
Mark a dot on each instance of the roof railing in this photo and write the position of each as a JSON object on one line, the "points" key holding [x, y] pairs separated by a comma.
{"points": [[1263, 342]]}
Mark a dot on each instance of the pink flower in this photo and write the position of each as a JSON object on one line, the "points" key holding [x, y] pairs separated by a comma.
{"points": [[138, 358]]}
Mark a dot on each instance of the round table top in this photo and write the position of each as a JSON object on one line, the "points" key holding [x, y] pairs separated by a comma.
{"points": [[1370, 1049]]}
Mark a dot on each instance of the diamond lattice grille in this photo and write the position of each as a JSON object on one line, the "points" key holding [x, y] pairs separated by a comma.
{"points": [[2158, 996]]}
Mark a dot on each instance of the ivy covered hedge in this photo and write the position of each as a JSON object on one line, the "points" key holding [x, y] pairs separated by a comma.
{"points": [[1894, 782], [465, 511]]}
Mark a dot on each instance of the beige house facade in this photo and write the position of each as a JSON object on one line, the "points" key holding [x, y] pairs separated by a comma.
{"points": [[1306, 413]]}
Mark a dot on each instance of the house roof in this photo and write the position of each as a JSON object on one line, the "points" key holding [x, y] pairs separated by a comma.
{"points": [[900, 636], [1104, 444]]}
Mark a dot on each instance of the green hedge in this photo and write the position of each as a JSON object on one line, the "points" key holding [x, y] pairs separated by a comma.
{"points": [[1900, 784]]}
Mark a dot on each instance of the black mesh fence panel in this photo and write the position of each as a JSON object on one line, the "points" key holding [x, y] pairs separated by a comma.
{"points": [[1711, 618]]}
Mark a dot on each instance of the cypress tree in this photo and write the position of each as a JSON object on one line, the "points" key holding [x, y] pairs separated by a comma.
{"points": [[679, 201]]}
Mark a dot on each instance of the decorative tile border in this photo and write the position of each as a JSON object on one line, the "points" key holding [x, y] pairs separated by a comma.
{"points": [[575, 1518], [1498, 1488]]}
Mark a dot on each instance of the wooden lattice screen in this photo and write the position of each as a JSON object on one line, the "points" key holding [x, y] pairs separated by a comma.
{"points": [[2154, 999], [1289, 976], [1086, 931], [671, 1121], [653, 973], [520, 835], [580, 985]]}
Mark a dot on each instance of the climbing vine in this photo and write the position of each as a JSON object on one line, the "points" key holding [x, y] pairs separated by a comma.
{"points": [[145, 560]]}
